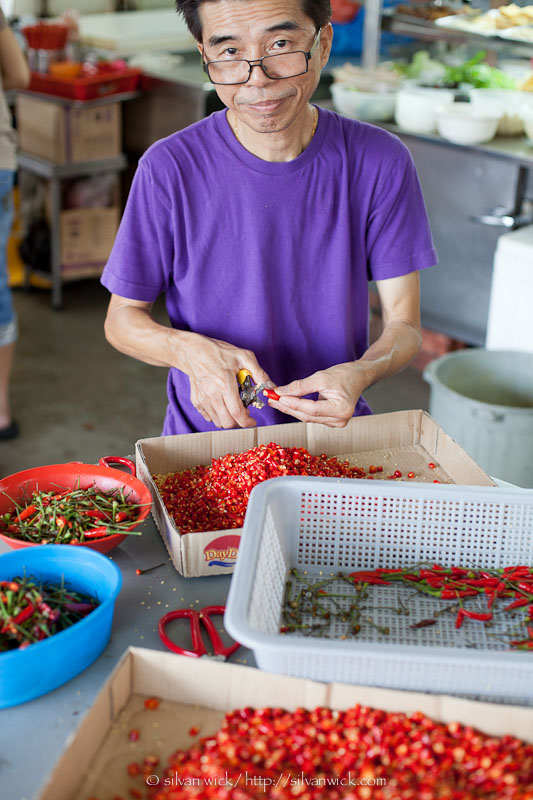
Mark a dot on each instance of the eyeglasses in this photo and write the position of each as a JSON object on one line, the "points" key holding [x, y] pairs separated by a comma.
{"points": [[277, 67]]}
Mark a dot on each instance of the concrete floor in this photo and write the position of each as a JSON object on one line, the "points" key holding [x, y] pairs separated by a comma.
{"points": [[76, 398]]}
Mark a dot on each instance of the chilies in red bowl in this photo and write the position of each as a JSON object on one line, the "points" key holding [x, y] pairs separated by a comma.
{"points": [[20, 486]]}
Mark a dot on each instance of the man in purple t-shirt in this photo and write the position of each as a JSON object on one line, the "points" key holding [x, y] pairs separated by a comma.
{"points": [[262, 225]]}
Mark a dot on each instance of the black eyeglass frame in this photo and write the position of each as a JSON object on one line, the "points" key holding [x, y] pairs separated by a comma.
{"points": [[259, 63]]}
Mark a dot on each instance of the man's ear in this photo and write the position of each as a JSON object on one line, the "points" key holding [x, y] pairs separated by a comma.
{"points": [[326, 39]]}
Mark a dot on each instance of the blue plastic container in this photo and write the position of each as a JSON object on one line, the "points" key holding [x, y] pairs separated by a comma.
{"points": [[43, 666]]}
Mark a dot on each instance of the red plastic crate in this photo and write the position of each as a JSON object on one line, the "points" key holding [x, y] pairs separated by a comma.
{"points": [[125, 80]]}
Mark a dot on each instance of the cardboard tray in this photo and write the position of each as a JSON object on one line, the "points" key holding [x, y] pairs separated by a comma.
{"points": [[199, 692], [402, 440]]}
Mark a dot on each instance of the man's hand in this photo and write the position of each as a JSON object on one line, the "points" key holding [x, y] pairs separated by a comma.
{"points": [[338, 387], [212, 366]]}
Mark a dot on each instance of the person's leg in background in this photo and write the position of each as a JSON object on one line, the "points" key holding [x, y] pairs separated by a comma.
{"points": [[8, 321]]}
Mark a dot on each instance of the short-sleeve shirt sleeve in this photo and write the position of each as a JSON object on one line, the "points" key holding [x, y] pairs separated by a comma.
{"points": [[138, 266], [398, 235]]}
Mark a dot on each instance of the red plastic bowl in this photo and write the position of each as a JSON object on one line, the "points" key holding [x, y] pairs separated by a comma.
{"points": [[21, 485]]}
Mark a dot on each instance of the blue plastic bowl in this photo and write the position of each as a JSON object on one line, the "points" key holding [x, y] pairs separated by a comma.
{"points": [[43, 666]]}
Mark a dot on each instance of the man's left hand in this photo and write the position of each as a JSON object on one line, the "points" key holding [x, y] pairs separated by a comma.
{"points": [[338, 387]]}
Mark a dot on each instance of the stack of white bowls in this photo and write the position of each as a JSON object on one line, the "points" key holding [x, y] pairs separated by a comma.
{"points": [[509, 102], [416, 107], [464, 123]]}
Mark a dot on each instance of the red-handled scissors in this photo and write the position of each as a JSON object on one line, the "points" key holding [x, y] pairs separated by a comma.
{"points": [[204, 616]]}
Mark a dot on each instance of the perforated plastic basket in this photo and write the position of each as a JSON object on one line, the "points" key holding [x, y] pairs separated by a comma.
{"points": [[323, 526]]}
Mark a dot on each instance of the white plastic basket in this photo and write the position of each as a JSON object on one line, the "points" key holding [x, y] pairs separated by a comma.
{"points": [[323, 526]]}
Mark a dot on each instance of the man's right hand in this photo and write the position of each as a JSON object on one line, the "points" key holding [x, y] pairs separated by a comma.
{"points": [[212, 366]]}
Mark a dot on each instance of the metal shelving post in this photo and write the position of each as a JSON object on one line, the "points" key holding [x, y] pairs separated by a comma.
{"points": [[371, 34], [55, 173]]}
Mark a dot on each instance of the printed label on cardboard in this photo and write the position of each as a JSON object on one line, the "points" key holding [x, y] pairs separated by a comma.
{"points": [[222, 551]]}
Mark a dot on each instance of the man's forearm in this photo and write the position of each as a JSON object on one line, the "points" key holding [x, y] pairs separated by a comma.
{"points": [[395, 349], [134, 332]]}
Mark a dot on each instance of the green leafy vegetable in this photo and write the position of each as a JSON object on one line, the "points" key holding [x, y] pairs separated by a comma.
{"points": [[479, 74], [475, 72]]}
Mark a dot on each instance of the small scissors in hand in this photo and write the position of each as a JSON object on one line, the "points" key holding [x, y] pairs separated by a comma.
{"points": [[204, 616], [248, 391]]}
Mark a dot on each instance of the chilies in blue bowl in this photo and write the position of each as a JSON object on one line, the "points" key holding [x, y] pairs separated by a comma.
{"points": [[43, 666]]}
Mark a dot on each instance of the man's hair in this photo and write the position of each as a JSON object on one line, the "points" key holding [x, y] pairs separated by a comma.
{"points": [[317, 10]]}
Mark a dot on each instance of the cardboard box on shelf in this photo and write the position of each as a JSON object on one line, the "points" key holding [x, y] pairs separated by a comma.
{"points": [[402, 440], [199, 692], [66, 134], [87, 236]]}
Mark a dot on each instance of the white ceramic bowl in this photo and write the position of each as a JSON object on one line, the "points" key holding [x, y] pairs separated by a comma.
{"points": [[372, 106], [463, 123], [416, 108], [509, 102], [526, 112]]}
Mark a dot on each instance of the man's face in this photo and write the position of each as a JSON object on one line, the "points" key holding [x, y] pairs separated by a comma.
{"points": [[251, 29]]}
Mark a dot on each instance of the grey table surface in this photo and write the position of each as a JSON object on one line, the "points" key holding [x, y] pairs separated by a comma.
{"points": [[33, 735]]}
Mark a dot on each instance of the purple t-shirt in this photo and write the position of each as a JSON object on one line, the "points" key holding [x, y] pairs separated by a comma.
{"points": [[274, 257]]}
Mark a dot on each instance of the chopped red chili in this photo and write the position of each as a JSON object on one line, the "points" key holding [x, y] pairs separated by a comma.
{"points": [[215, 497], [394, 755]]}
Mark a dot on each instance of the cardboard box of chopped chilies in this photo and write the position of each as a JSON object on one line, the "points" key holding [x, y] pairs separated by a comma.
{"points": [[404, 441], [195, 694]]}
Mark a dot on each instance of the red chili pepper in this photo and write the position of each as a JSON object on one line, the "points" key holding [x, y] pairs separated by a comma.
{"points": [[25, 614], [519, 603], [430, 574], [271, 394], [410, 474], [383, 571], [431, 465], [94, 532], [459, 618], [482, 616], [151, 703], [28, 511], [484, 582], [397, 473], [79, 608], [423, 623], [516, 572], [93, 512], [367, 577], [452, 594]]}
